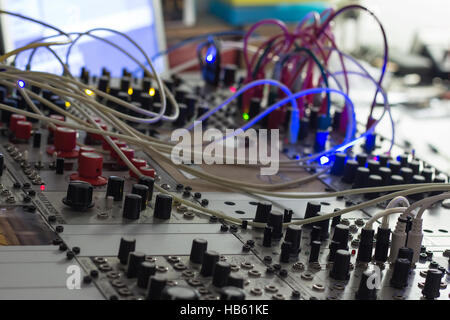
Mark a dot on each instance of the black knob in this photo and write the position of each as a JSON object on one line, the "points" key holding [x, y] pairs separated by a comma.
{"points": [[427, 173], [407, 174], [145, 271], [294, 236], [416, 179], [276, 222], [288, 213], [229, 75], [312, 210], [232, 293], [262, 212], [400, 275], [156, 287], [382, 245], [115, 188], [146, 84], [127, 245], [142, 191], [236, 280], [267, 238], [365, 246], [285, 254], [60, 166], [341, 266], [134, 262], [373, 166], [103, 84], [220, 274], [315, 251], [79, 196], [350, 171], [210, 258], [361, 178], [385, 174], [384, 159], [339, 164], [403, 159], [432, 284], [180, 293], [132, 207], [415, 166], [336, 221], [397, 180], [37, 137], [366, 290], [362, 159], [198, 249], [406, 253], [324, 229], [163, 207], [395, 166], [315, 233], [255, 107], [374, 181], [341, 235], [334, 247], [150, 183], [125, 83]]}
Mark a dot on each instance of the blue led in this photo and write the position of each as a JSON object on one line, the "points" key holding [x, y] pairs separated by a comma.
{"points": [[324, 160], [21, 83], [211, 54]]}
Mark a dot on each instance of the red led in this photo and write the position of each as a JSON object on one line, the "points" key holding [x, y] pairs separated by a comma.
{"points": [[353, 252], [233, 89], [42, 188]]}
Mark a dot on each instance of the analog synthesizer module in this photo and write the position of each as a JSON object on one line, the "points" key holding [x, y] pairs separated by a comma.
{"points": [[94, 207]]}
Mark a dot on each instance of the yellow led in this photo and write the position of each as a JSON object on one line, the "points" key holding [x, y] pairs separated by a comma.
{"points": [[152, 92], [68, 104], [130, 91], [89, 92]]}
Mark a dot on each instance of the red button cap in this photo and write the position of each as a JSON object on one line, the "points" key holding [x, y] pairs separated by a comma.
{"points": [[23, 130], [13, 121]]}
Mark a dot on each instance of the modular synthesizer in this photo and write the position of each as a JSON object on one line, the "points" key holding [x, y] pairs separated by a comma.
{"points": [[93, 206]]}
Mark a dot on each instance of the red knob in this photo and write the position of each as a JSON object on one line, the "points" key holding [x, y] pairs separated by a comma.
{"points": [[138, 163], [129, 153], [56, 117], [148, 172], [65, 139], [86, 150], [90, 165], [23, 130], [90, 168], [13, 121], [106, 145], [98, 137], [120, 144]]}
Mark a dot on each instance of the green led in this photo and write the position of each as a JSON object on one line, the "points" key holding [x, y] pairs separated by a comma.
{"points": [[246, 116]]}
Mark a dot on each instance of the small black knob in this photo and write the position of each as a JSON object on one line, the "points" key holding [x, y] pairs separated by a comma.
{"points": [[339, 164], [232, 293], [395, 166], [315, 251], [156, 287], [334, 247], [312, 210], [366, 290], [60, 166], [427, 173], [285, 252], [407, 174], [163, 207], [134, 262], [350, 171], [37, 137], [382, 245], [362, 159], [341, 265], [415, 166], [384, 159], [267, 238], [403, 159], [374, 181], [220, 274], [132, 207], [315, 233], [373, 166], [115, 188], [145, 271], [229, 75], [361, 178], [198, 249], [142, 191], [288, 213], [126, 246], [262, 212], [294, 236], [180, 293], [79, 196], [365, 246], [341, 235], [150, 183], [210, 258], [432, 284], [385, 174], [406, 253], [276, 222], [236, 280], [400, 275], [397, 180]]}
